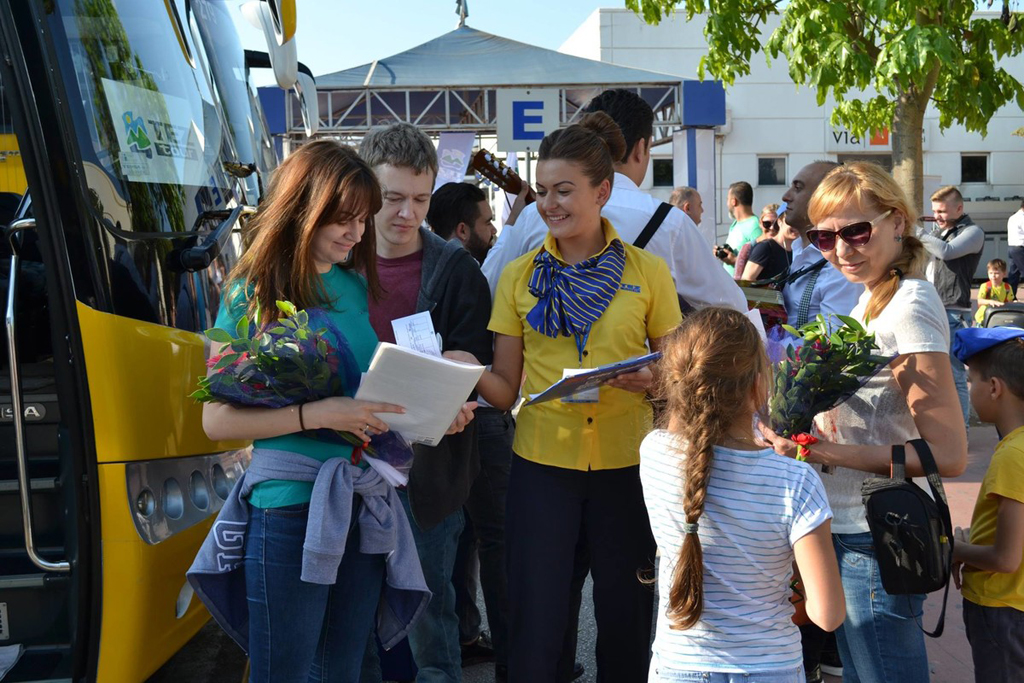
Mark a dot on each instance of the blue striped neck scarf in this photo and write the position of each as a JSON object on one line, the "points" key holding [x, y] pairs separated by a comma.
{"points": [[572, 298]]}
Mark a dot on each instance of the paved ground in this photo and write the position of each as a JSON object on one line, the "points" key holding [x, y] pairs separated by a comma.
{"points": [[212, 658]]}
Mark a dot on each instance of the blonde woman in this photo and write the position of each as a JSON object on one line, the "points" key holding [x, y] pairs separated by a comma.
{"points": [[864, 227]]}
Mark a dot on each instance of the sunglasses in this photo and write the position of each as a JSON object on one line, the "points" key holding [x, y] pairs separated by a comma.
{"points": [[767, 224], [855, 234]]}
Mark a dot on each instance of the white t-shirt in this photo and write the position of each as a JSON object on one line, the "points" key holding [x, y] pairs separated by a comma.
{"points": [[914, 321], [1015, 229], [758, 505]]}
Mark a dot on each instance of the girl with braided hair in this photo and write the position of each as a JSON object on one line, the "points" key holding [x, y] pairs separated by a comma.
{"points": [[730, 516]]}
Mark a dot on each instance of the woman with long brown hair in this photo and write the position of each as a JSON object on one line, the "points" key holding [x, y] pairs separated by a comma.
{"points": [[865, 228], [730, 516], [311, 243]]}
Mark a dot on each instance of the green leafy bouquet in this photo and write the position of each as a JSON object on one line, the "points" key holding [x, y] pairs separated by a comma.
{"points": [[812, 378], [298, 358]]}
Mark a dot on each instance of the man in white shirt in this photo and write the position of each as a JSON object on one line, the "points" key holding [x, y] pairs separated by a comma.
{"points": [[700, 281], [1015, 240], [688, 200], [822, 289]]}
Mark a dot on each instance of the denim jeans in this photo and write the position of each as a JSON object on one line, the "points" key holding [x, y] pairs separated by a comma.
{"points": [[482, 545], [663, 674], [300, 631], [880, 641], [1016, 258], [956, 322], [434, 638]]}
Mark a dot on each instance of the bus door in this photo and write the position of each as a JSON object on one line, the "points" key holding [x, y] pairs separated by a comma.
{"points": [[118, 252]]}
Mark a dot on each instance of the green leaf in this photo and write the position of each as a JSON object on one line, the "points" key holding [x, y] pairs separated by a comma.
{"points": [[218, 335], [242, 328], [226, 360], [286, 307]]}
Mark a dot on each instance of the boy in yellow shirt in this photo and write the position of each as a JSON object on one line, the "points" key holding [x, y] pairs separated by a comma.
{"points": [[990, 553], [996, 292]]}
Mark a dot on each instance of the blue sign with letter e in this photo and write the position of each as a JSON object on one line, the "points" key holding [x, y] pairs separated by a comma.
{"points": [[520, 119]]}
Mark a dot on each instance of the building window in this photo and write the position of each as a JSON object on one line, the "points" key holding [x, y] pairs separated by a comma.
{"points": [[663, 173], [973, 168], [771, 171]]}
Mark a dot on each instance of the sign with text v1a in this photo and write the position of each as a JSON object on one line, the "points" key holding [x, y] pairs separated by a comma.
{"points": [[525, 117]]}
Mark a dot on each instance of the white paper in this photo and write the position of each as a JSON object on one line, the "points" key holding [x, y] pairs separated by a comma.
{"points": [[754, 316], [387, 472], [432, 390], [416, 332]]}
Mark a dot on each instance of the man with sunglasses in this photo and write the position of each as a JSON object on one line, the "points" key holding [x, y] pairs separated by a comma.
{"points": [[956, 246], [818, 288]]}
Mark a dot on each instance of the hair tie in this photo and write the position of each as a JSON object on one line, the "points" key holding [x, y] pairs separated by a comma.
{"points": [[690, 528], [896, 272]]}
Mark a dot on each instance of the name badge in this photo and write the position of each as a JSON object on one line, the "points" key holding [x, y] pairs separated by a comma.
{"points": [[587, 396]]}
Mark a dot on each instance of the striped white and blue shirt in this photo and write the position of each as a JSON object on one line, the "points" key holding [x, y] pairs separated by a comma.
{"points": [[758, 505]]}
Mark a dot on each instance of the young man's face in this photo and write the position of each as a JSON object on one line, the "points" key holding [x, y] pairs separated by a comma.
{"points": [[947, 212], [996, 275], [406, 200]]}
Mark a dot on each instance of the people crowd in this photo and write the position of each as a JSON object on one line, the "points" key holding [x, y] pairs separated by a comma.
{"points": [[665, 484]]}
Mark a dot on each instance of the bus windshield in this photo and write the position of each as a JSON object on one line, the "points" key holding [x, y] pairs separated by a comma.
{"points": [[147, 117]]}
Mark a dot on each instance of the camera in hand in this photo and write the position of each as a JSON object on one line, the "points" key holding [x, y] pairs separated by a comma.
{"points": [[723, 252]]}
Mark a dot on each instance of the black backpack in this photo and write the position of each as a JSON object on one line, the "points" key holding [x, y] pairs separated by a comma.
{"points": [[912, 533]]}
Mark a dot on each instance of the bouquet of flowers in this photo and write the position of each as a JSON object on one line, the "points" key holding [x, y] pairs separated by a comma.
{"points": [[299, 358], [828, 368]]}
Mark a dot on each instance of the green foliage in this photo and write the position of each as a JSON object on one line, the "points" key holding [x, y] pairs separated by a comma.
{"points": [[900, 48]]}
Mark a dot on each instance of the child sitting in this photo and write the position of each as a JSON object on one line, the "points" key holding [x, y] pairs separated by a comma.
{"points": [[995, 292], [730, 515], [990, 558]]}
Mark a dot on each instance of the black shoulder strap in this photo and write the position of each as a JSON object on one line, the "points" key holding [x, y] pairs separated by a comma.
{"points": [[931, 471], [652, 225]]}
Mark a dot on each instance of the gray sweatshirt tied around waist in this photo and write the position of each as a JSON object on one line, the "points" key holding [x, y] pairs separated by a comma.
{"points": [[218, 572]]}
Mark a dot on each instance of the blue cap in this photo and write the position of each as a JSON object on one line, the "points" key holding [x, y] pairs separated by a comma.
{"points": [[972, 340], [782, 208]]}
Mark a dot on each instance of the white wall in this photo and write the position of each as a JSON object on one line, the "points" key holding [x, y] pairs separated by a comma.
{"points": [[770, 116]]}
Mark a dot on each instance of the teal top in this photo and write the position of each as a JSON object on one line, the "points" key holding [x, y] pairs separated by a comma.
{"points": [[741, 232], [348, 311]]}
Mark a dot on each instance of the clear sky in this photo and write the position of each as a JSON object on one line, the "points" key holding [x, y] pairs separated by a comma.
{"points": [[334, 35]]}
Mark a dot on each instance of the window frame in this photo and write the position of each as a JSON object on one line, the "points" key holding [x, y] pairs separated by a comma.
{"points": [[988, 168], [783, 182]]}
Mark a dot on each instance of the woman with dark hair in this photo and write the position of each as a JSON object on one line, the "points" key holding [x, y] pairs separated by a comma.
{"points": [[582, 300], [865, 228], [311, 243]]}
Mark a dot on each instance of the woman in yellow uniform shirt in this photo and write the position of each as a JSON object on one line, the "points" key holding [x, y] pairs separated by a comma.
{"points": [[582, 300]]}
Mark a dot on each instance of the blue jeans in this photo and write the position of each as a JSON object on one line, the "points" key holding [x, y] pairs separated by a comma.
{"points": [[880, 641], [300, 631], [956, 322], [434, 638], [666, 675], [1016, 259], [484, 537]]}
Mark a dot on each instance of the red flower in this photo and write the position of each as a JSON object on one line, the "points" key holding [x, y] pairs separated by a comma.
{"points": [[802, 443]]}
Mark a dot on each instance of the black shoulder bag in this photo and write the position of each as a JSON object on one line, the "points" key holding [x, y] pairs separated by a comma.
{"points": [[648, 232], [912, 533]]}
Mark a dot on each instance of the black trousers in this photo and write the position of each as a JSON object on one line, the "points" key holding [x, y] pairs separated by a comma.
{"points": [[550, 509]]}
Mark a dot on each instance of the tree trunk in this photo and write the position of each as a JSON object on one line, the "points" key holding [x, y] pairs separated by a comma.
{"points": [[907, 136]]}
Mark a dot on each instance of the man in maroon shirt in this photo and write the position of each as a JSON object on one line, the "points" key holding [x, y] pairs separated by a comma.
{"points": [[419, 271]]}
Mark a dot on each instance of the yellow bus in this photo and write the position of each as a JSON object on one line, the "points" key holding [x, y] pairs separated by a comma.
{"points": [[143, 147]]}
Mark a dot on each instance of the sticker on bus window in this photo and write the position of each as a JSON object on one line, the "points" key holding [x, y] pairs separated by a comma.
{"points": [[158, 138]]}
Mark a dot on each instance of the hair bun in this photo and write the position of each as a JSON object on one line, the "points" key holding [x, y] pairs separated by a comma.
{"points": [[608, 131]]}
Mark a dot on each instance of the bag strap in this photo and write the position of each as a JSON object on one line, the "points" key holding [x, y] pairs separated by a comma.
{"points": [[898, 468], [652, 225], [931, 471]]}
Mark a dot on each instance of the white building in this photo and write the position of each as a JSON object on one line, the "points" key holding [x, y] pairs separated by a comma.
{"points": [[773, 128]]}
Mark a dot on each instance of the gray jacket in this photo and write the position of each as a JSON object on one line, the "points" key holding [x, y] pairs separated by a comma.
{"points": [[957, 252], [218, 572]]}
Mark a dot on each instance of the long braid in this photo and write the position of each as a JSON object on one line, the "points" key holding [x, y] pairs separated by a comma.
{"points": [[708, 372]]}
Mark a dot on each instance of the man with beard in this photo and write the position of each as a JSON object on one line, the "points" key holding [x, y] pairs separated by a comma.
{"points": [[460, 211]]}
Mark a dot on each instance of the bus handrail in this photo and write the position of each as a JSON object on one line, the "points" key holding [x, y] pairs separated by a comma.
{"points": [[199, 257], [17, 408]]}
